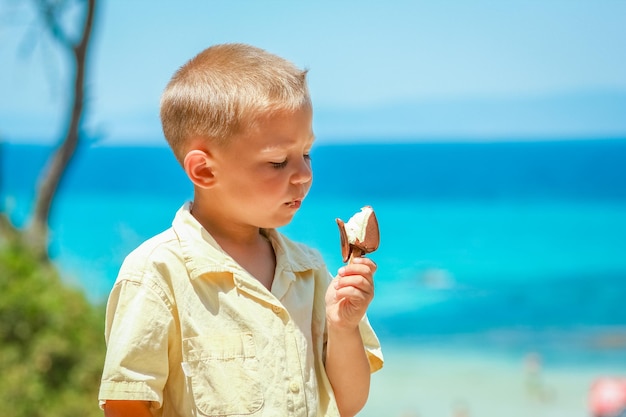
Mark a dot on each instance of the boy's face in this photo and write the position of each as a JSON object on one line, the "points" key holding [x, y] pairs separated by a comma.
{"points": [[263, 175]]}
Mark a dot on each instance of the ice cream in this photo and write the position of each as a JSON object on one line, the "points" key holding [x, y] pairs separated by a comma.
{"points": [[359, 235]]}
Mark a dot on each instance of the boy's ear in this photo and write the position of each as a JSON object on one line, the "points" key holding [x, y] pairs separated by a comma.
{"points": [[199, 168]]}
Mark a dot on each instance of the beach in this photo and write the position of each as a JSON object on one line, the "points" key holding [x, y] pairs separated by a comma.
{"points": [[428, 382]]}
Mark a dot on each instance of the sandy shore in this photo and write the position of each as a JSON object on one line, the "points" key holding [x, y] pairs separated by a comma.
{"points": [[435, 383]]}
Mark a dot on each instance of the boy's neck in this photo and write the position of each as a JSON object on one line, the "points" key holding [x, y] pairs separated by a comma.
{"points": [[246, 245], [223, 231]]}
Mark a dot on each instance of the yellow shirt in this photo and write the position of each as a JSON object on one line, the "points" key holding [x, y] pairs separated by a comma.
{"points": [[191, 331]]}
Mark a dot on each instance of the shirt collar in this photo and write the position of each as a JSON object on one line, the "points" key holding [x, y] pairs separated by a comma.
{"points": [[202, 254]]}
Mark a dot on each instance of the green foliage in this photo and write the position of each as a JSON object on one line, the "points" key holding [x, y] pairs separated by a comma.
{"points": [[51, 340]]}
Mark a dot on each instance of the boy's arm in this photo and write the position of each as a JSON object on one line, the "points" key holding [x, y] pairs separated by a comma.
{"points": [[127, 408], [348, 370], [347, 366], [135, 370]]}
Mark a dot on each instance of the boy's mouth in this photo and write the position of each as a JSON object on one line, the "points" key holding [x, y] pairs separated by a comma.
{"points": [[294, 204]]}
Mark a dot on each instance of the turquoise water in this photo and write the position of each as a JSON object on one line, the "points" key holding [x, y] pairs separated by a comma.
{"points": [[475, 239]]}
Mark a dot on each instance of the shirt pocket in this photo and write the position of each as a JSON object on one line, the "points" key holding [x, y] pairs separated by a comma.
{"points": [[223, 374]]}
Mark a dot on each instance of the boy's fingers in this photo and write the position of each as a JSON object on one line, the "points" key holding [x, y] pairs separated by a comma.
{"points": [[358, 282], [352, 293], [365, 261], [362, 265], [357, 271]]}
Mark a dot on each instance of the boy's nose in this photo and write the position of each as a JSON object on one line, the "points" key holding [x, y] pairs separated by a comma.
{"points": [[304, 173]]}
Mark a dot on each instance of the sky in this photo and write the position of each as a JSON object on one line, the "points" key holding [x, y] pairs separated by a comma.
{"points": [[378, 70]]}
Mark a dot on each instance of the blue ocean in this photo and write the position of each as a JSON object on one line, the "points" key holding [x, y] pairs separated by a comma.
{"points": [[500, 245]]}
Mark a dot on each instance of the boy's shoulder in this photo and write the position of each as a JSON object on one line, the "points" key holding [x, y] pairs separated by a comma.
{"points": [[152, 264], [157, 249], [159, 241]]}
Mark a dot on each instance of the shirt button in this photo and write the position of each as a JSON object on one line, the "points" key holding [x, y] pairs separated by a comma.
{"points": [[276, 309], [294, 387]]}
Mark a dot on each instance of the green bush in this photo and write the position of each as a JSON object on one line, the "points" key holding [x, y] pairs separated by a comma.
{"points": [[51, 340]]}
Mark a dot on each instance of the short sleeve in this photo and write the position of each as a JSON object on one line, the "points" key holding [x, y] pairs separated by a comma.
{"points": [[372, 345], [138, 326]]}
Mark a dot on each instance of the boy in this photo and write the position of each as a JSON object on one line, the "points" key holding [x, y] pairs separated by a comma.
{"points": [[221, 315]]}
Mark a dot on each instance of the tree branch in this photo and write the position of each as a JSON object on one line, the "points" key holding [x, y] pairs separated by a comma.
{"points": [[59, 161]]}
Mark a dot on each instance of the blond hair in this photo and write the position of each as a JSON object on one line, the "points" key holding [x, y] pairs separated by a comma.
{"points": [[223, 89]]}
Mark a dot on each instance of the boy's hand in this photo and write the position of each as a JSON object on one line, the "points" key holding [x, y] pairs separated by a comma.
{"points": [[350, 293]]}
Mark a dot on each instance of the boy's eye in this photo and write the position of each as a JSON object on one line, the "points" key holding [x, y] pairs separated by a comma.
{"points": [[283, 164]]}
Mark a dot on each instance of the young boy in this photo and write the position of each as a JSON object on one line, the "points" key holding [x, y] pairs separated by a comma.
{"points": [[221, 315]]}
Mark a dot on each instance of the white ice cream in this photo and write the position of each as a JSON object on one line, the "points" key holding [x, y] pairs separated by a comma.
{"points": [[357, 225]]}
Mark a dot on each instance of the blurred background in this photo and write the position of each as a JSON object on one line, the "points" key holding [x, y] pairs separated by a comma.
{"points": [[490, 138]]}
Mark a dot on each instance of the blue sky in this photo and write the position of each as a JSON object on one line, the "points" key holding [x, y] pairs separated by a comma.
{"points": [[386, 71]]}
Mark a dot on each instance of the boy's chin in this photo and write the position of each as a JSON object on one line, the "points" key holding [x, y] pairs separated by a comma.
{"points": [[278, 223]]}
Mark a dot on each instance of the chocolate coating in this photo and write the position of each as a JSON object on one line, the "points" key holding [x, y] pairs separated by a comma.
{"points": [[370, 241]]}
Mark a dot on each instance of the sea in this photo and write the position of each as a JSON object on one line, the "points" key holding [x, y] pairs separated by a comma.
{"points": [[502, 246]]}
